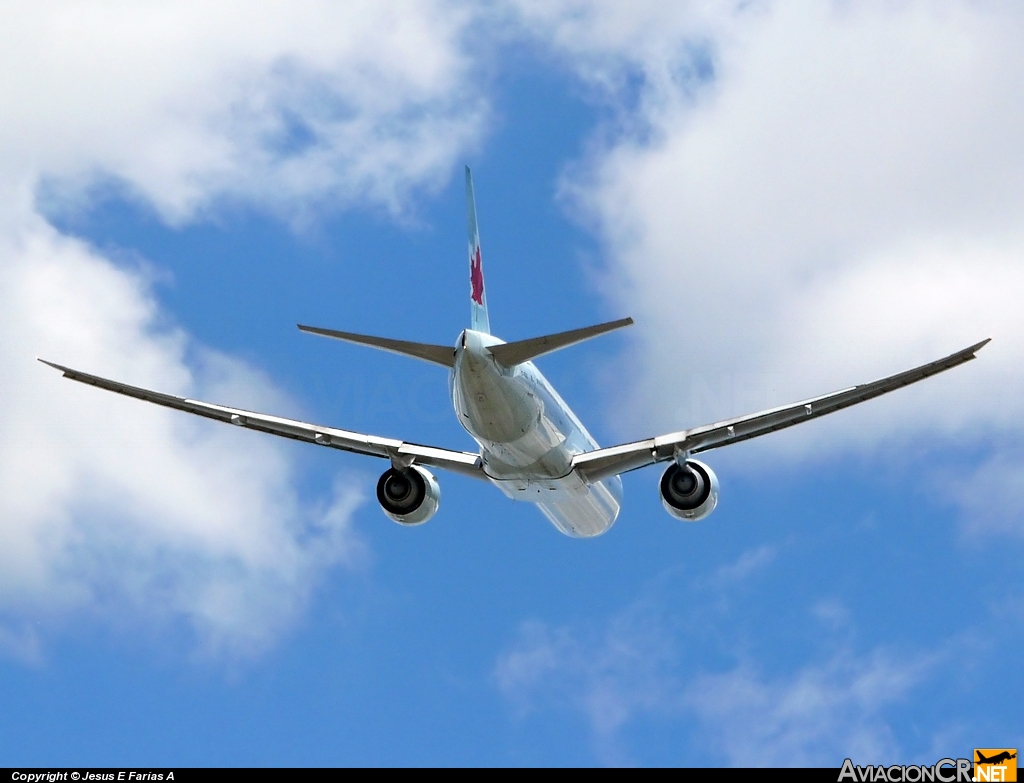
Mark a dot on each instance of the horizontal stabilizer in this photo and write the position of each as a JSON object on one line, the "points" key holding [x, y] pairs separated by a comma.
{"points": [[438, 354], [521, 351]]}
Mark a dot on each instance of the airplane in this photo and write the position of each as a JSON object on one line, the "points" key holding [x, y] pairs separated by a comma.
{"points": [[996, 759], [531, 445]]}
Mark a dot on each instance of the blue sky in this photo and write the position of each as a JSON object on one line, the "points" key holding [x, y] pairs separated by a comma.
{"points": [[787, 199]]}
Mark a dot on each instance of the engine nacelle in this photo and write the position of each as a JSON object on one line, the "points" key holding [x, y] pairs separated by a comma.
{"points": [[689, 493], [410, 497]]}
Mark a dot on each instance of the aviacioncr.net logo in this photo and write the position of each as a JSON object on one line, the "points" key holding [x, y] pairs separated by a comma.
{"points": [[995, 764], [942, 771]]}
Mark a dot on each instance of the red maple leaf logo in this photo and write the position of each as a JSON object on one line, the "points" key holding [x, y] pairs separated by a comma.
{"points": [[476, 278]]}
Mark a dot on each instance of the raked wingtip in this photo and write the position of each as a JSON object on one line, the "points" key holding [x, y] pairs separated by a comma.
{"points": [[57, 367]]}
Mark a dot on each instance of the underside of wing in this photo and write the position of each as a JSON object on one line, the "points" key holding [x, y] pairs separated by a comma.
{"points": [[398, 451], [601, 463]]}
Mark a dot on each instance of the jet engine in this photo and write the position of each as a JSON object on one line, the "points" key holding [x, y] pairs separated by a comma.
{"points": [[410, 496], [689, 492]]}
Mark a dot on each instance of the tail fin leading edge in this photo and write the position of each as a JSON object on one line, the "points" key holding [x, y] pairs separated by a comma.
{"points": [[479, 321]]}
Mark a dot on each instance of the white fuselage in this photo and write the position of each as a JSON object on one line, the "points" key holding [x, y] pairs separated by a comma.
{"points": [[528, 437]]}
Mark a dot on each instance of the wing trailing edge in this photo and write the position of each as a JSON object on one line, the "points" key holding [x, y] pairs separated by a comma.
{"points": [[601, 463], [463, 462]]}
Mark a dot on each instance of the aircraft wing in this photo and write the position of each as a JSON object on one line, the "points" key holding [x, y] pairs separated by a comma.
{"points": [[466, 463], [601, 463]]}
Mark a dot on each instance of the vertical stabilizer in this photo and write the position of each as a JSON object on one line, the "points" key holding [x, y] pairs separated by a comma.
{"points": [[477, 298]]}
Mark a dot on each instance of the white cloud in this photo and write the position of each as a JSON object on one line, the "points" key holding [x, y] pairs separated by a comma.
{"points": [[989, 495], [22, 645], [817, 716], [607, 42], [653, 660], [117, 504], [288, 104], [117, 509], [800, 196], [609, 676], [748, 564]]}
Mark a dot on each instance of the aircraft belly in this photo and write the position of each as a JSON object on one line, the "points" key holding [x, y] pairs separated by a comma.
{"points": [[539, 451], [583, 516], [511, 423], [491, 406], [528, 437], [570, 504]]}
